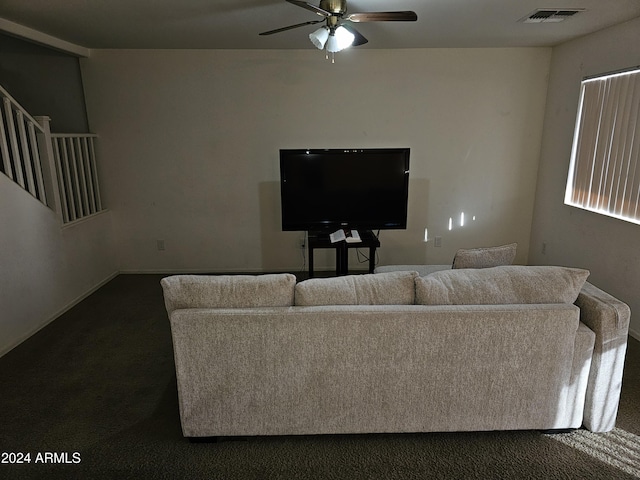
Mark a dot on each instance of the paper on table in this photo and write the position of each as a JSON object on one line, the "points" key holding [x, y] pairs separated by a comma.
{"points": [[350, 236]]}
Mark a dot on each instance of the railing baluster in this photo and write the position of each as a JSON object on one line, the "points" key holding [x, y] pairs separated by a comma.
{"points": [[27, 164], [74, 177], [4, 147], [33, 144], [88, 175], [67, 179], [61, 182], [82, 176], [13, 140], [94, 170]]}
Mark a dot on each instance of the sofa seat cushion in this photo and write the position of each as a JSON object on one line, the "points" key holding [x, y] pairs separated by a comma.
{"points": [[228, 291], [393, 288], [485, 257], [513, 284]]}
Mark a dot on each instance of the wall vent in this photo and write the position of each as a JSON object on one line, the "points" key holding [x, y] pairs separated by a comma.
{"points": [[547, 15]]}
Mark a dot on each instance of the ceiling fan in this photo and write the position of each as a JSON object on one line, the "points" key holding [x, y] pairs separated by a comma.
{"points": [[337, 33]]}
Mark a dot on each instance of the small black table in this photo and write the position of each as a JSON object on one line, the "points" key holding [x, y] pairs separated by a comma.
{"points": [[321, 240]]}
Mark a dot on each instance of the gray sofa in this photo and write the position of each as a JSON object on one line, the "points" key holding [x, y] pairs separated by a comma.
{"points": [[504, 348]]}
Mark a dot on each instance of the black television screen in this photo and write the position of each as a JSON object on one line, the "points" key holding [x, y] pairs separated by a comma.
{"points": [[344, 188]]}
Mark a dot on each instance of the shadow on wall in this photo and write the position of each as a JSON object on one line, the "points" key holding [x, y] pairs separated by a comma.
{"points": [[407, 247], [280, 250]]}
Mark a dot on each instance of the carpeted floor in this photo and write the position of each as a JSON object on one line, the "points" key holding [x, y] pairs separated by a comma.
{"points": [[93, 395]]}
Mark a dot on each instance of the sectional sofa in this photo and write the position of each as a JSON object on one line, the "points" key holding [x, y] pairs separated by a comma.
{"points": [[501, 348]]}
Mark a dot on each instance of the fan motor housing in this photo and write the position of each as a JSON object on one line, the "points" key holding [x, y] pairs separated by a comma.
{"points": [[337, 7]]}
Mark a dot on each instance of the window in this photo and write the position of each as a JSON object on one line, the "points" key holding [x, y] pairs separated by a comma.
{"points": [[604, 173]]}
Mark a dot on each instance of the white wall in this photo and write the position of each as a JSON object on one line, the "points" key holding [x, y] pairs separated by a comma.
{"points": [[189, 145], [606, 246], [45, 268]]}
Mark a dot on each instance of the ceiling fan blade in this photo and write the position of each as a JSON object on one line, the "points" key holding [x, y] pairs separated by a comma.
{"points": [[359, 38], [406, 16], [290, 27], [313, 8]]}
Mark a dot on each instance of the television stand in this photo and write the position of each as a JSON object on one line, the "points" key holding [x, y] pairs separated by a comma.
{"points": [[321, 240]]}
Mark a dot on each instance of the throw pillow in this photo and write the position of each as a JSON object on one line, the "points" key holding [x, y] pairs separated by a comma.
{"points": [[502, 285], [228, 291], [393, 288], [485, 257]]}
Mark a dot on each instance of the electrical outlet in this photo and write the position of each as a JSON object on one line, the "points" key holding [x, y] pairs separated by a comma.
{"points": [[160, 245], [544, 248], [437, 241], [303, 243]]}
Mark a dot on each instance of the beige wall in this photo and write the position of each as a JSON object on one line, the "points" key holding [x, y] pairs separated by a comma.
{"points": [[189, 144], [45, 269], [606, 246]]}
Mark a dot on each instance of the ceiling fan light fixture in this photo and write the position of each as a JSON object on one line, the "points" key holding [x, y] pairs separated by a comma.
{"points": [[319, 37], [333, 36], [339, 39], [345, 37], [332, 44]]}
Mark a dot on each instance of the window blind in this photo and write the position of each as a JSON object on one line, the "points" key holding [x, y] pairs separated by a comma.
{"points": [[604, 175]]}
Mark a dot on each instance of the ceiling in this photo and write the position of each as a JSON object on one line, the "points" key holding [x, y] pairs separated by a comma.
{"points": [[213, 24]]}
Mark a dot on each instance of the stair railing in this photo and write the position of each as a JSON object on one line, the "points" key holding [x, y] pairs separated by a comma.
{"points": [[57, 169], [21, 153], [75, 160]]}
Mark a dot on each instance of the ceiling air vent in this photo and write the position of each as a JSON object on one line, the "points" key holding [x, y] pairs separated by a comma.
{"points": [[546, 15]]}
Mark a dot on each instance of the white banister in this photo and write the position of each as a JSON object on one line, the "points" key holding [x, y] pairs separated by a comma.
{"points": [[27, 160], [61, 182], [75, 177], [4, 148], [81, 163], [13, 142], [37, 164], [89, 176], [78, 176], [19, 147], [94, 174], [47, 163], [57, 169]]}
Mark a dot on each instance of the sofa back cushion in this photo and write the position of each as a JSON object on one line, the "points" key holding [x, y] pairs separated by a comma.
{"points": [[485, 257], [393, 288], [228, 291], [511, 284]]}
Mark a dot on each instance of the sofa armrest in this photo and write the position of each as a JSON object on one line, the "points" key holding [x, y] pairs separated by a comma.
{"points": [[609, 319]]}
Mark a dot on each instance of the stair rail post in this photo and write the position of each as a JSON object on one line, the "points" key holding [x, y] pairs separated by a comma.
{"points": [[49, 170]]}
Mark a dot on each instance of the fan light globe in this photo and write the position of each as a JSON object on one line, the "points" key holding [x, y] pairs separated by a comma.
{"points": [[345, 37], [319, 37], [332, 44], [339, 39]]}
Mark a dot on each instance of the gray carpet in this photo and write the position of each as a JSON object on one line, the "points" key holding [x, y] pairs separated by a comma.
{"points": [[100, 381]]}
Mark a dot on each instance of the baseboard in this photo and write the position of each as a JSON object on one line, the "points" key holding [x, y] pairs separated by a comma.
{"points": [[191, 271], [634, 333], [236, 271], [60, 312]]}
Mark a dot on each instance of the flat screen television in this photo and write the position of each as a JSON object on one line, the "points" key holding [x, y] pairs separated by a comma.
{"points": [[324, 190]]}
